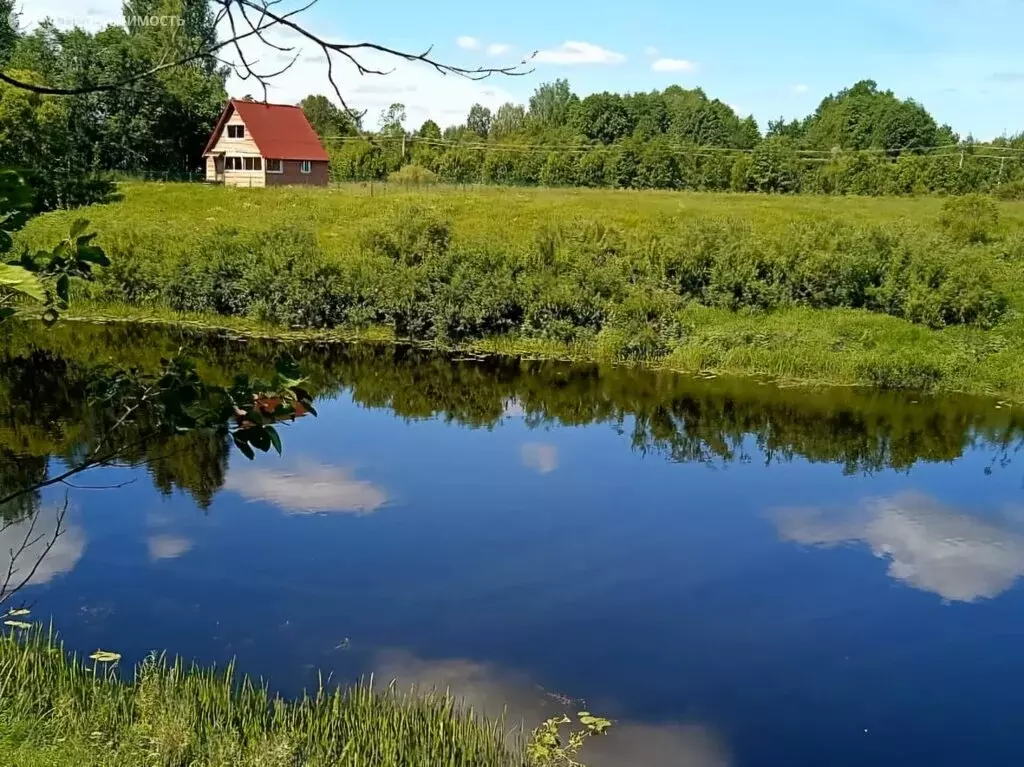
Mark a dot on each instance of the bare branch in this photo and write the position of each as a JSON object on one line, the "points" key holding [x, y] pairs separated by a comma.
{"points": [[6, 590]]}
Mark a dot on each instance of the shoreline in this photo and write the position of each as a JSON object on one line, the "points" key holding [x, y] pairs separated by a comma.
{"points": [[238, 328]]}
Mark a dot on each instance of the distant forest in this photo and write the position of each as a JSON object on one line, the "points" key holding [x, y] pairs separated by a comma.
{"points": [[861, 140]]}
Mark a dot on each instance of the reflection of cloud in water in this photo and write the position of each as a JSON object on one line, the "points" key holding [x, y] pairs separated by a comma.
{"points": [[167, 546], [309, 488], [492, 691], [539, 456], [929, 546], [61, 559], [513, 408]]}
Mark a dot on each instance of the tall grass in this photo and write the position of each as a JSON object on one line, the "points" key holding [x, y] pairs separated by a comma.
{"points": [[63, 711], [895, 293]]}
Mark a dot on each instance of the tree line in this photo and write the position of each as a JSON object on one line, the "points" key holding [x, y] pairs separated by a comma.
{"points": [[861, 140]]}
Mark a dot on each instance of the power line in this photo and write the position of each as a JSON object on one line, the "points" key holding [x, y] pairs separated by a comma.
{"points": [[952, 150]]}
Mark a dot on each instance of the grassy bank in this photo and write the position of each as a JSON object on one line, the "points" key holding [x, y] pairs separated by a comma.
{"points": [[916, 293], [61, 712]]}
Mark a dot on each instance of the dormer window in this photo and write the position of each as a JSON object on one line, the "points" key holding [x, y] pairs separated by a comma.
{"points": [[236, 131]]}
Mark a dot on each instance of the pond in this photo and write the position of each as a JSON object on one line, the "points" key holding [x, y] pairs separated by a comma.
{"points": [[737, 573]]}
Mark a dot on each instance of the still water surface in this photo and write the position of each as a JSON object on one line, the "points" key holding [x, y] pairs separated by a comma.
{"points": [[738, 574]]}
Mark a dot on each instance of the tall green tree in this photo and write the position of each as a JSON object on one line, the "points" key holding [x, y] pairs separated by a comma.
{"points": [[551, 104], [479, 120]]}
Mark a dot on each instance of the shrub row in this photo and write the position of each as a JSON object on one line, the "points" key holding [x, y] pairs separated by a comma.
{"points": [[578, 281]]}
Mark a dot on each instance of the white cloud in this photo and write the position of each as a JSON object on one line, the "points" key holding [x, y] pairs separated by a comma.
{"points": [[494, 691], [800, 88], [650, 50], [498, 49], [673, 65], [62, 558], [309, 488], [929, 546], [573, 52], [539, 456], [468, 43], [167, 546]]}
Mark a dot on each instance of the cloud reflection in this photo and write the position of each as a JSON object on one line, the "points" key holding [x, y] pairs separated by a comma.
{"points": [[493, 691], [539, 456], [929, 546], [167, 546], [62, 558], [310, 488]]}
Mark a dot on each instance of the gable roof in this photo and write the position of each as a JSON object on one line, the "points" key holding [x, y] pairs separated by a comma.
{"points": [[281, 131]]}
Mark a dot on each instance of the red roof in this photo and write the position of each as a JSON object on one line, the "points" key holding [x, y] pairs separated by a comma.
{"points": [[281, 131]]}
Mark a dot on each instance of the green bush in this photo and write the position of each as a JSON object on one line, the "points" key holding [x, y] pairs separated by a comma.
{"points": [[578, 280], [970, 219], [413, 174]]}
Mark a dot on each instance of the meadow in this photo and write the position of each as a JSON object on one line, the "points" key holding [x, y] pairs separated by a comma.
{"points": [[922, 293]]}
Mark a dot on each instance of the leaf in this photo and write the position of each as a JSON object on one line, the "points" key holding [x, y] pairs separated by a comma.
{"points": [[259, 438], [78, 228], [49, 317], [275, 438], [18, 613], [6, 312], [288, 370], [63, 284], [93, 255], [242, 445], [18, 624], [105, 656], [21, 280]]}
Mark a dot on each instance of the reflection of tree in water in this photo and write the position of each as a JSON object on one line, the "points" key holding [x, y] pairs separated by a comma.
{"points": [[45, 408], [17, 471], [195, 462]]}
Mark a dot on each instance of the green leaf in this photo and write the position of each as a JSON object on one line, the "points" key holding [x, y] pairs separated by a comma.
{"points": [[243, 446], [260, 438], [92, 254], [63, 284], [105, 656], [18, 624], [49, 317], [18, 613], [78, 228], [21, 280], [6, 312], [275, 438]]}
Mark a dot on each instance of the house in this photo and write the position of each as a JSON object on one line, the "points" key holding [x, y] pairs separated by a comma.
{"points": [[257, 144]]}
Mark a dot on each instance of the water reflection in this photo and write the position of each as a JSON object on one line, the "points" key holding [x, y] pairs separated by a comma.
{"points": [[607, 561], [494, 691], [308, 487], [45, 411], [929, 546], [539, 457], [167, 547], [25, 540]]}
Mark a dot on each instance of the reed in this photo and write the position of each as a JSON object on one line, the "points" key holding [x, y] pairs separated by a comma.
{"points": [[62, 710]]}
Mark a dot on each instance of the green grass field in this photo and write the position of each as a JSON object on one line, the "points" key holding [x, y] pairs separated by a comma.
{"points": [[891, 292]]}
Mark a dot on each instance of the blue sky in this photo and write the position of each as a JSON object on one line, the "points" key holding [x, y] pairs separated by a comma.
{"points": [[961, 58]]}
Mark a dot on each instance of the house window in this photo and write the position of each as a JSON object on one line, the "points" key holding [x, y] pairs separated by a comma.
{"points": [[236, 131], [232, 163], [306, 166], [275, 166], [254, 163]]}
